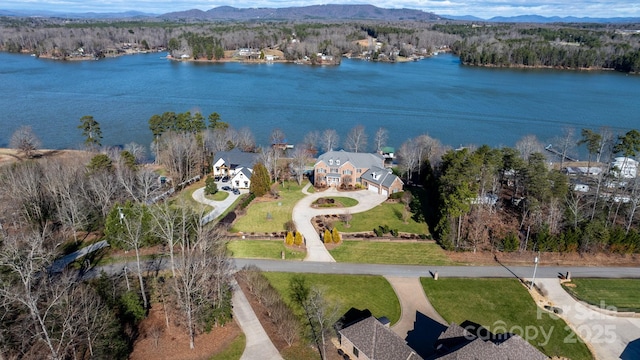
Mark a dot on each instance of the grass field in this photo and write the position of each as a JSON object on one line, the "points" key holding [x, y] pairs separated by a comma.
{"points": [[270, 215], [410, 253], [339, 201], [619, 293], [385, 214], [263, 249], [359, 291], [233, 351], [503, 305], [218, 196], [186, 197]]}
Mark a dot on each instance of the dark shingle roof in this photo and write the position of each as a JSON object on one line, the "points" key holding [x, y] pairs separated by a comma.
{"points": [[235, 158], [377, 341], [359, 160], [459, 344]]}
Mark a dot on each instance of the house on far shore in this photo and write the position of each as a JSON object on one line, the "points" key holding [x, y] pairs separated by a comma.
{"points": [[236, 165], [624, 167], [348, 169], [389, 155]]}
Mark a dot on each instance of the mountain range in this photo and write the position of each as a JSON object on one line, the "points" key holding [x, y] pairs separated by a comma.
{"points": [[314, 12]]}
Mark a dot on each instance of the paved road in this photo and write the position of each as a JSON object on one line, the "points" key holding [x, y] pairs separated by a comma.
{"points": [[551, 272], [258, 346], [303, 213], [610, 337]]}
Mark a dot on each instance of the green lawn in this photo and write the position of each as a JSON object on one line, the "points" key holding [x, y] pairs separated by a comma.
{"points": [[263, 249], [339, 201], [619, 293], [270, 216], [503, 305], [385, 214], [410, 253], [218, 196], [186, 197], [359, 291], [233, 351]]}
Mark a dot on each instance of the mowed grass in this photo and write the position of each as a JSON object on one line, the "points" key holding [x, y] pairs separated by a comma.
{"points": [[263, 249], [339, 200], [186, 197], [409, 253], [358, 291], [270, 215], [218, 196], [233, 351], [503, 305], [623, 294], [385, 214]]}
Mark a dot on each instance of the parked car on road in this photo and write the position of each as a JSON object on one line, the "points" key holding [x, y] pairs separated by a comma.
{"points": [[226, 188]]}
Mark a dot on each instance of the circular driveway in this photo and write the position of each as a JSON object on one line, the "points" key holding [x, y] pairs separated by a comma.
{"points": [[303, 213]]}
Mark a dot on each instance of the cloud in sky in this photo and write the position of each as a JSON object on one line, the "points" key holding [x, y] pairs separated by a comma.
{"points": [[480, 8]]}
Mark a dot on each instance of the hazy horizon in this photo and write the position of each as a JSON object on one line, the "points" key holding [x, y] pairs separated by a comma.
{"points": [[477, 8]]}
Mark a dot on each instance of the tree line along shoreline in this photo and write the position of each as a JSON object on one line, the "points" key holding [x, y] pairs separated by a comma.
{"points": [[554, 46]]}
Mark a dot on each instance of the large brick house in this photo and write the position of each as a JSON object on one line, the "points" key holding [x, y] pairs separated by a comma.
{"points": [[341, 168]]}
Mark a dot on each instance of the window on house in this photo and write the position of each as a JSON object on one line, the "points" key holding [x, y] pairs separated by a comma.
{"points": [[330, 161], [347, 172], [334, 170], [337, 162], [246, 184], [356, 353], [359, 171]]}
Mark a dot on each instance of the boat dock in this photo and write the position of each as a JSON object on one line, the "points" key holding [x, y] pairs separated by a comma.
{"points": [[550, 149]]}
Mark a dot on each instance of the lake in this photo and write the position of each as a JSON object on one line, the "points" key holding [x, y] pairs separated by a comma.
{"points": [[457, 104]]}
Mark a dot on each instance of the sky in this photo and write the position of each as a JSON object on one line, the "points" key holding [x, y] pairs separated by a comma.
{"points": [[479, 8]]}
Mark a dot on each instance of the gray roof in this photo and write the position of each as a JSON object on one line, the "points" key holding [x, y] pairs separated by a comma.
{"points": [[246, 172], [359, 160], [377, 341], [461, 344], [235, 158], [386, 177]]}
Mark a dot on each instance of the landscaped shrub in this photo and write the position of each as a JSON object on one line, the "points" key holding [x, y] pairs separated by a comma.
{"points": [[378, 231], [327, 238], [336, 236], [289, 238], [210, 187], [397, 195], [298, 239], [394, 232]]}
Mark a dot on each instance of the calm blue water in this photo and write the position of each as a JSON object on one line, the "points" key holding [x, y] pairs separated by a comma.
{"points": [[458, 105]]}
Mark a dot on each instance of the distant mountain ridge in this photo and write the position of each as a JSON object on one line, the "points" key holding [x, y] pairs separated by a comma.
{"points": [[319, 12], [544, 19]]}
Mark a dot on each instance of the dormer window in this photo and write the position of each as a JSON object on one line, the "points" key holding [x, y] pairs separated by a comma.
{"points": [[330, 161], [337, 162]]}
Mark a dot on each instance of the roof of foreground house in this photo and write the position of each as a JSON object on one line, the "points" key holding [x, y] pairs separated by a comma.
{"points": [[236, 158], [377, 341], [456, 343]]}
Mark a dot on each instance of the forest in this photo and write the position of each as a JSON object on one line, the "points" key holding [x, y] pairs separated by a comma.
{"points": [[562, 46]]}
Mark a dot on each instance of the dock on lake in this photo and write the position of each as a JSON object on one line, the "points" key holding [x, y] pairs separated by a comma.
{"points": [[550, 149]]}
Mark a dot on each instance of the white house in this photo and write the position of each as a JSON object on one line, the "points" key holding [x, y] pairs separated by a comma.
{"points": [[624, 167], [229, 163], [242, 178]]}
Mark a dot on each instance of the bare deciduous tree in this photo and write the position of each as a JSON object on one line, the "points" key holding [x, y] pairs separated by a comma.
{"points": [[380, 139], [329, 139], [25, 140], [356, 139], [528, 145], [300, 158]]}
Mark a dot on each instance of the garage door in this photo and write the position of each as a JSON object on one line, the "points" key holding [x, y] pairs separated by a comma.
{"points": [[385, 192], [373, 188]]}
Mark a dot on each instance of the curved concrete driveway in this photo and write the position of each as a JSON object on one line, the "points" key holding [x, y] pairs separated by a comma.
{"points": [[218, 206], [609, 336], [303, 213]]}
